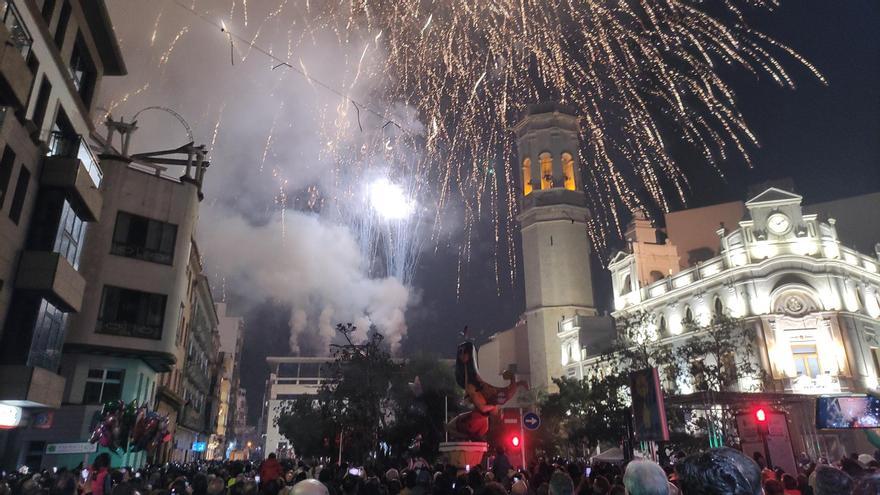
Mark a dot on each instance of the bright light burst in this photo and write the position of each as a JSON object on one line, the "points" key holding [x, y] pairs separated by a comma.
{"points": [[389, 200]]}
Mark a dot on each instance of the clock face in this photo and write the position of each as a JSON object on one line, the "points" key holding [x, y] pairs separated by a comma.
{"points": [[778, 223]]}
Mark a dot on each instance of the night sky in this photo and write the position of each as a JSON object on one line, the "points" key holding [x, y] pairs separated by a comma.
{"points": [[826, 138]]}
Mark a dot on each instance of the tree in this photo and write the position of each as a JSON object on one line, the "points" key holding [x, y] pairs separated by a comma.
{"points": [[420, 392], [715, 357], [352, 405], [308, 425], [357, 393], [582, 414], [369, 397]]}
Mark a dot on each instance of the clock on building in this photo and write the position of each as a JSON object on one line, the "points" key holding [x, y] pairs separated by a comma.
{"points": [[778, 223]]}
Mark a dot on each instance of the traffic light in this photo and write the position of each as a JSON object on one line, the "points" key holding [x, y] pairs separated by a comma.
{"points": [[515, 441], [761, 420]]}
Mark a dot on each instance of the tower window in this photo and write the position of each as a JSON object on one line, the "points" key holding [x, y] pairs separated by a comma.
{"points": [[661, 327], [625, 287], [568, 171], [527, 176], [546, 170]]}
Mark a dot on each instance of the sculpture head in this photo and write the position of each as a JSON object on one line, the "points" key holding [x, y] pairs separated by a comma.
{"points": [[466, 365]]}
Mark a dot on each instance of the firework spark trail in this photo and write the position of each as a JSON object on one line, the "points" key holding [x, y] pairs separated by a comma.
{"points": [[165, 56], [269, 136], [630, 69], [216, 128], [156, 27]]}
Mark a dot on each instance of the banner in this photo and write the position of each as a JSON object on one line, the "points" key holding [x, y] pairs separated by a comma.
{"points": [[649, 413]]}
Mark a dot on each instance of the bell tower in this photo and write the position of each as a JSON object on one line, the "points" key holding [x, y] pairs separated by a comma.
{"points": [[553, 224]]}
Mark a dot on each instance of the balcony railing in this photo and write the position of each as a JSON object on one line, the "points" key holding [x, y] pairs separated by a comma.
{"points": [[19, 35], [74, 146]]}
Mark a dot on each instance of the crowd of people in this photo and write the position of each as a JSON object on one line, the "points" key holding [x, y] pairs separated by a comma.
{"points": [[721, 471]]}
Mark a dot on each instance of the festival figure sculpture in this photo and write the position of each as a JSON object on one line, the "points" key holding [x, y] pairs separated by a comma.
{"points": [[474, 425]]}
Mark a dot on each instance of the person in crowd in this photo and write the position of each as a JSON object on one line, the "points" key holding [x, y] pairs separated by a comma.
{"points": [[645, 478], [270, 470], [832, 481], [721, 471], [216, 486], [65, 484], [560, 484], [869, 485], [773, 487], [601, 485], [501, 465], [100, 475], [790, 484]]}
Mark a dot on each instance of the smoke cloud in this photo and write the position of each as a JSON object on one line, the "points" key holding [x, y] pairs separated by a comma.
{"points": [[271, 226], [318, 269]]}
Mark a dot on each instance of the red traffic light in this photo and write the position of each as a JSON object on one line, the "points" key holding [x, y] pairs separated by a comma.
{"points": [[514, 441], [761, 415]]}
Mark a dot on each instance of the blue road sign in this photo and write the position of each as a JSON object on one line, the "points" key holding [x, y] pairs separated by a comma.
{"points": [[531, 421]]}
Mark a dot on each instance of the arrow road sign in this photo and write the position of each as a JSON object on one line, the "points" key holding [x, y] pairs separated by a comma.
{"points": [[531, 421]]}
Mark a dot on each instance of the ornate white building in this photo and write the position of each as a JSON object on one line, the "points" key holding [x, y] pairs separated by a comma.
{"points": [[814, 302]]}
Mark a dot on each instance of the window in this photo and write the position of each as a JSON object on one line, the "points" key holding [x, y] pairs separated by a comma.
{"points": [[546, 170], [21, 187], [527, 176], [71, 233], [874, 355], [48, 337], [82, 70], [47, 11], [568, 171], [103, 386], [719, 308], [661, 327], [688, 315], [656, 275], [144, 239], [63, 21], [19, 37], [131, 313], [806, 360], [42, 103], [6, 165], [626, 286]]}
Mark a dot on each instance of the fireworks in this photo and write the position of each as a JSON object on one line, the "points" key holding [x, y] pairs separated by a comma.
{"points": [[641, 73]]}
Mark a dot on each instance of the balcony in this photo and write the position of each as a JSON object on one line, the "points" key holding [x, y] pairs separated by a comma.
{"points": [[53, 277], [15, 45], [27, 386], [71, 165]]}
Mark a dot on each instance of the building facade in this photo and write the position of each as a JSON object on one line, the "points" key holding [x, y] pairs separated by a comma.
{"points": [[198, 414], [289, 379], [136, 265], [231, 330], [813, 303], [53, 56]]}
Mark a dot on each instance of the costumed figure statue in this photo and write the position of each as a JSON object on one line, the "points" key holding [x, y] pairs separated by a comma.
{"points": [[486, 398]]}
